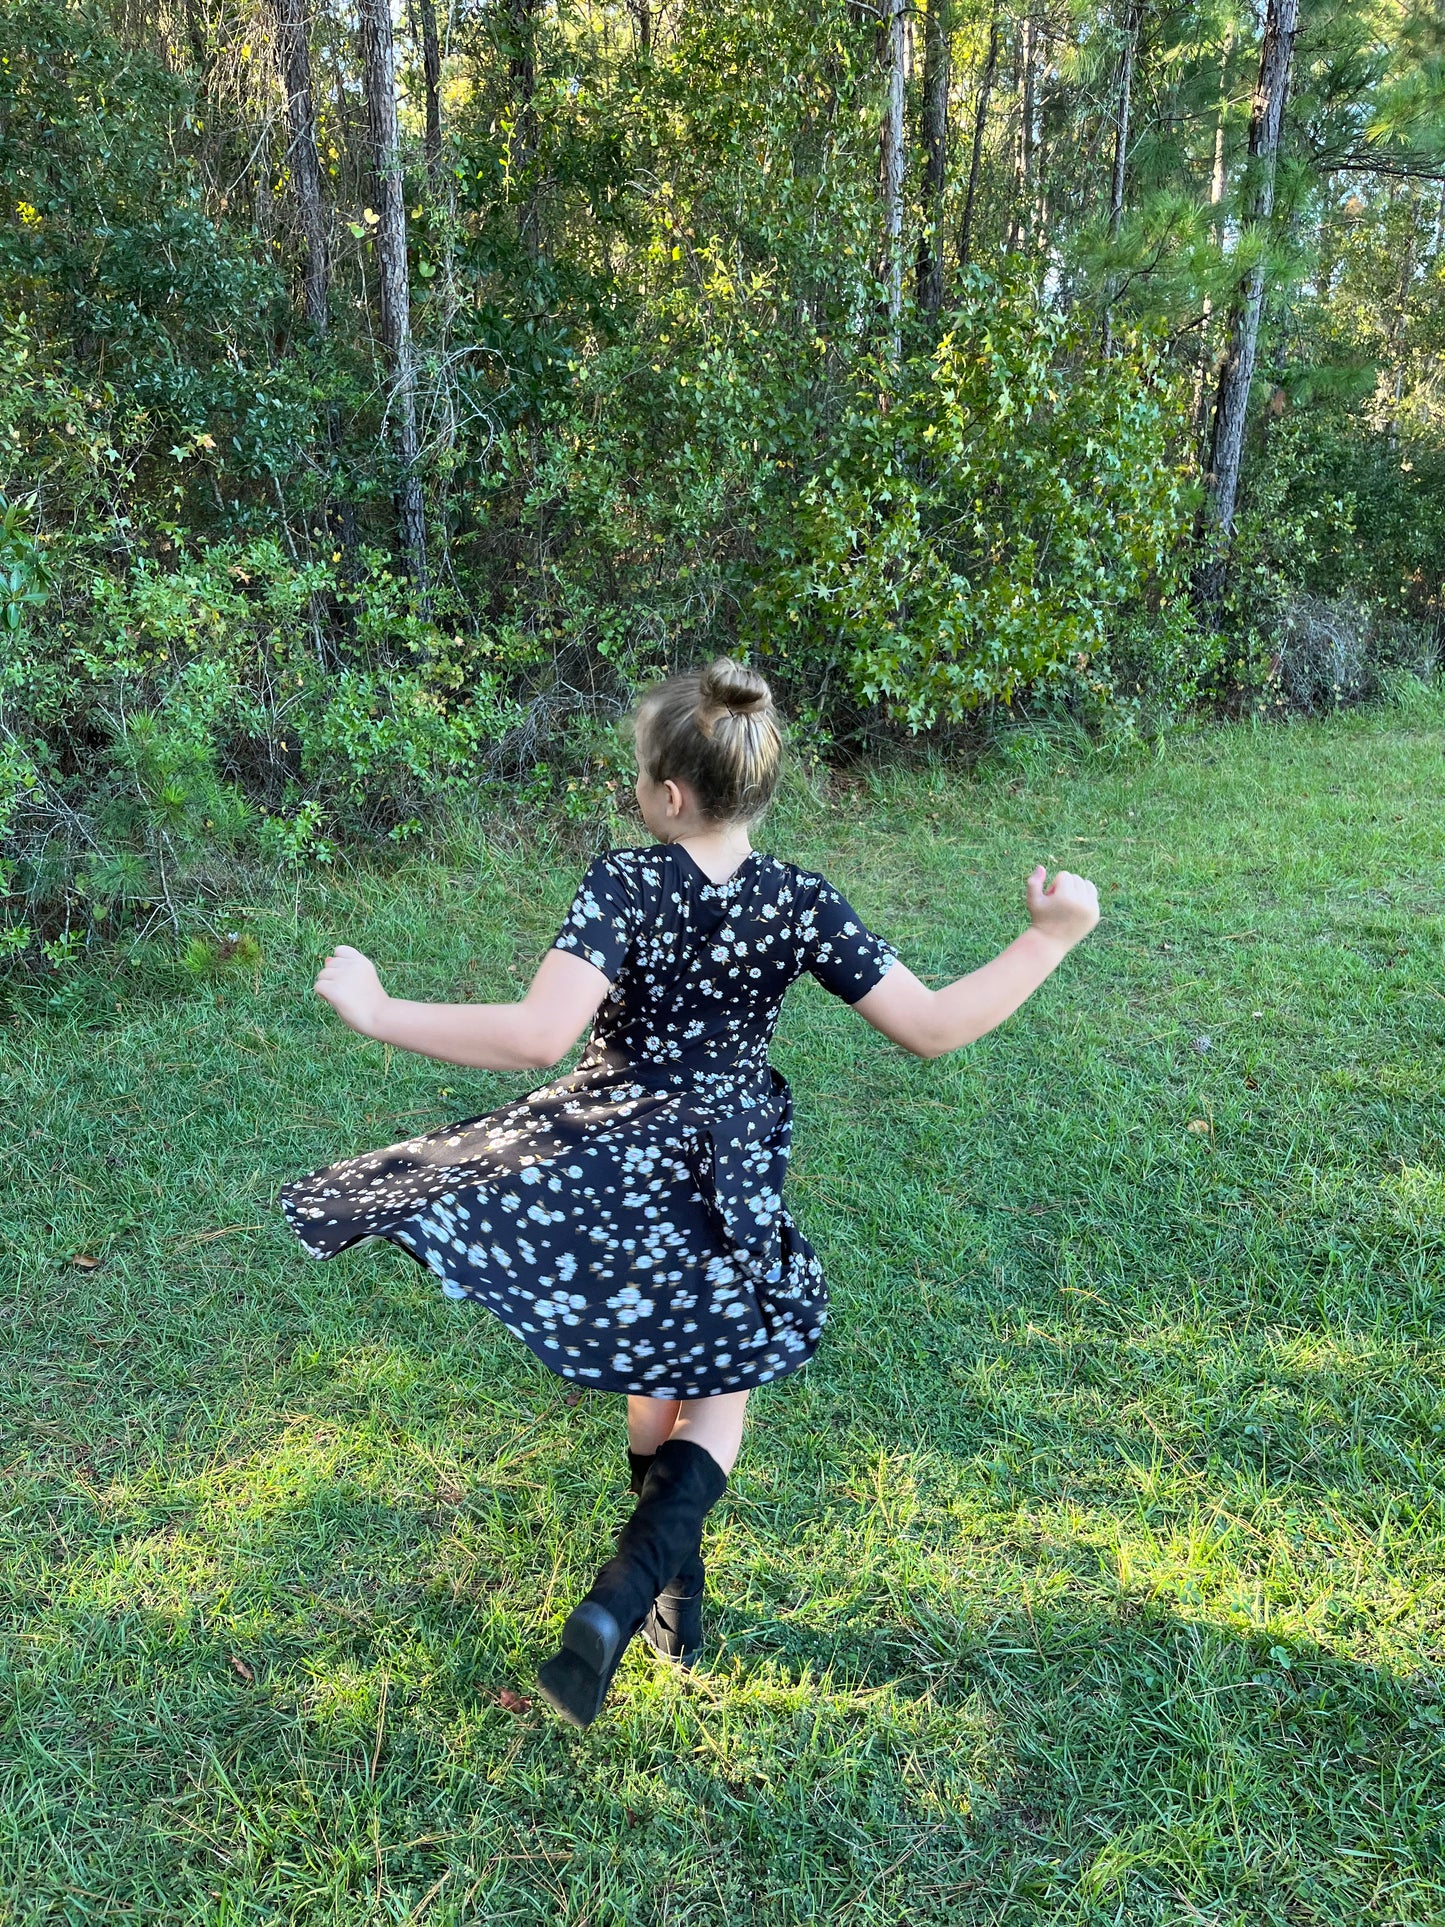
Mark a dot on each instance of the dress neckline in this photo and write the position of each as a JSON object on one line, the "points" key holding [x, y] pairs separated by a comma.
{"points": [[751, 857]]}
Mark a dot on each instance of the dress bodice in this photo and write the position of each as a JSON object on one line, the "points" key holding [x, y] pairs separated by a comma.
{"points": [[699, 969]]}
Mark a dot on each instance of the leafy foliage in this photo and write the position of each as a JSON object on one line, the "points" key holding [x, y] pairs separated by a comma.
{"points": [[662, 406]]}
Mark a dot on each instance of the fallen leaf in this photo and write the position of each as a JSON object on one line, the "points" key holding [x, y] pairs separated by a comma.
{"points": [[572, 1395], [511, 1702], [1199, 1126], [83, 1261], [242, 1670]]}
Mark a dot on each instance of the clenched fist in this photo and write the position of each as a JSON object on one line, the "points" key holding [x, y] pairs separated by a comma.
{"points": [[1066, 909], [349, 983]]}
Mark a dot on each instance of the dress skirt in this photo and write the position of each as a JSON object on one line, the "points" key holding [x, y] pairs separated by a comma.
{"points": [[627, 1221], [624, 1222]]}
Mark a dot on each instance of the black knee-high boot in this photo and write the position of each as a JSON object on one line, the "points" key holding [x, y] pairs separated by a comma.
{"points": [[673, 1629], [684, 1484]]}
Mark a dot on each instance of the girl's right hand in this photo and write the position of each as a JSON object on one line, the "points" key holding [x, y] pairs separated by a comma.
{"points": [[1066, 909], [349, 983]]}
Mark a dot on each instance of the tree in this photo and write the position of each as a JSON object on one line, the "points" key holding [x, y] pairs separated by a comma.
{"points": [[1231, 408], [378, 62], [431, 61], [895, 53], [934, 131], [1123, 102], [520, 17], [294, 52], [980, 122], [1027, 146]]}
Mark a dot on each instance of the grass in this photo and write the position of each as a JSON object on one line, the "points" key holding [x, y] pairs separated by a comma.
{"points": [[1091, 1573]]}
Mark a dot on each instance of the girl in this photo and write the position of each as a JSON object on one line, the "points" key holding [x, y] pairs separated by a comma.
{"points": [[625, 1221]]}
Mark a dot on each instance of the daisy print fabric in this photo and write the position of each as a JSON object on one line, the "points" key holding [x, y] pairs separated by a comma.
{"points": [[626, 1221]]}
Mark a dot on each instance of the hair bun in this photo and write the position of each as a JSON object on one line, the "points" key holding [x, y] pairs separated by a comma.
{"points": [[732, 685]]}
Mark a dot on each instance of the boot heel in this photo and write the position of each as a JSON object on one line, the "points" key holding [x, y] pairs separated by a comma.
{"points": [[593, 1635], [575, 1680], [572, 1688]]}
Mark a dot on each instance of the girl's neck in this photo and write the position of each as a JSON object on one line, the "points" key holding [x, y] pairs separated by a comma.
{"points": [[718, 853]]}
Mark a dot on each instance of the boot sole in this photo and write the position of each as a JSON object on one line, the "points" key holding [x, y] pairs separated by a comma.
{"points": [[575, 1681], [686, 1659]]}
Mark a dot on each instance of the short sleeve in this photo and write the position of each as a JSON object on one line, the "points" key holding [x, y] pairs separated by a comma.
{"points": [[845, 956], [601, 924]]}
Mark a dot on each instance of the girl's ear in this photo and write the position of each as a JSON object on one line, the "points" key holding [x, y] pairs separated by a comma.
{"points": [[676, 801]]}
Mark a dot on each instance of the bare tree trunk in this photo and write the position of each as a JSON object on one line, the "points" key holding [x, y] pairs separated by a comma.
{"points": [[1397, 319], [1024, 146], [934, 129], [980, 121], [895, 47], [642, 15], [522, 73], [378, 61], [1121, 119], [1231, 408], [431, 63], [196, 42], [1216, 195], [293, 46], [1121, 150]]}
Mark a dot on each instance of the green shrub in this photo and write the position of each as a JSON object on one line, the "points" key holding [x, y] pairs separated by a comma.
{"points": [[1003, 511]]}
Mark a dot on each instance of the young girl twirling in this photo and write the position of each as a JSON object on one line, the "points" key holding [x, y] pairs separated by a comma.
{"points": [[626, 1221]]}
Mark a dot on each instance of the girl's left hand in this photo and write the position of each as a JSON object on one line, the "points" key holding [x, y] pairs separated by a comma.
{"points": [[349, 983]]}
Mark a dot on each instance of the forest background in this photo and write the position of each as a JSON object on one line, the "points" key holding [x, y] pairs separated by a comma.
{"points": [[385, 392]]}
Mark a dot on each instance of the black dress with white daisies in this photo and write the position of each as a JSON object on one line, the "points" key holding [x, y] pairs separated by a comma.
{"points": [[626, 1221]]}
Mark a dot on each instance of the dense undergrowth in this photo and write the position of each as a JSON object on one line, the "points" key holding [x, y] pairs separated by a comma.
{"points": [[664, 406]]}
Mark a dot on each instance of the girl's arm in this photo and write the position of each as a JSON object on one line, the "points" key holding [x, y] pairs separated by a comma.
{"points": [[930, 1022], [528, 1035]]}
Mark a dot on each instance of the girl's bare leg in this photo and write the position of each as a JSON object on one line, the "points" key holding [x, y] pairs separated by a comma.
{"points": [[716, 1424], [649, 1422]]}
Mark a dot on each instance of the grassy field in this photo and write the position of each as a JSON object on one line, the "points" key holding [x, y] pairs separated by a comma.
{"points": [[1093, 1572]]}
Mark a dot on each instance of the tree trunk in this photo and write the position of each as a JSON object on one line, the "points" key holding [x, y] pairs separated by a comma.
{"points": [[293, 47], [1121, 149], [431, 63], [1121, 119], [1216, 195], [196, 42], [1019, 218], [980, 121], [378, 61], [934, 130], [522, 73], [642, 15], [892, 163], [1231, 408]]}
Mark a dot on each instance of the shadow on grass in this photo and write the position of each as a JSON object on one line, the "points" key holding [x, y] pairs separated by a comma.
{"points": [[258, 1674]]}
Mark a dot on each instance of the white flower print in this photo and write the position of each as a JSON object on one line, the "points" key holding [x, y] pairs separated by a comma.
{"points": [[643, 1191]]}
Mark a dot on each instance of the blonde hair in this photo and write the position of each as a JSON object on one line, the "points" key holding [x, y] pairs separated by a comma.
{"points": [[716, 730]]}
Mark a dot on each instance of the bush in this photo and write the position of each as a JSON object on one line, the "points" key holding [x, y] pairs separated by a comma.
{"points": [[163, 725], [1000, 513]]}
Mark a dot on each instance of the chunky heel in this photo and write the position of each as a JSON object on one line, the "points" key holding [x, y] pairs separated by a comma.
{"points": [[571, 1688], [594, 1636]]}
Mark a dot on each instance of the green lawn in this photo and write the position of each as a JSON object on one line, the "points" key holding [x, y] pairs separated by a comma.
{"points": [[1092, 1572]]}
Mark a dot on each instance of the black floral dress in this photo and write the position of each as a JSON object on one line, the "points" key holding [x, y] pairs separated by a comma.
{"points": [[626, 1221]]}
